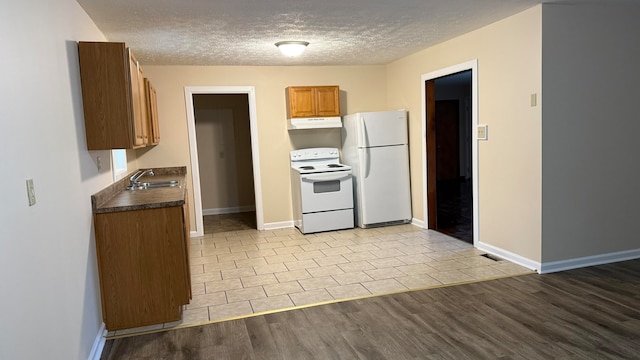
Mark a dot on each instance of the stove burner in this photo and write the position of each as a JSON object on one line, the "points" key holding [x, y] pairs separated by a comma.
{"points": [[334, 165], [307, 167]]}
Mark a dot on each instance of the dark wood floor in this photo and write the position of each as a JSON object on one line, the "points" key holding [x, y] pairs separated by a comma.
{"points": [[590, 313]]}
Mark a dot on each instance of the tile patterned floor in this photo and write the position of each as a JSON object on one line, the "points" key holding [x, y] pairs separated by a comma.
{"points": [[229, 222], [238, 273]]}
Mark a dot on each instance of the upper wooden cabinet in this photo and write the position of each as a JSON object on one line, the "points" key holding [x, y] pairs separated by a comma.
{"points": [[152, 113], [114, 97], [312, 101]]}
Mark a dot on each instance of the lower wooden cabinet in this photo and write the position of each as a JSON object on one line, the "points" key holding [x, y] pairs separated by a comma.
{"points": [[143, 264]]}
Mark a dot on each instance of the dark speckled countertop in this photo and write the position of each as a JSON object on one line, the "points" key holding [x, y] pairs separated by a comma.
{"points": [[116, 197]]}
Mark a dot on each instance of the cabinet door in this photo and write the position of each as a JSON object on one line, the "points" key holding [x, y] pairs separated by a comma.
{"points": [[187, 244], [152, 113], [143, 266], [106, 95], [138, 107], [327, 99], [301, 101]]}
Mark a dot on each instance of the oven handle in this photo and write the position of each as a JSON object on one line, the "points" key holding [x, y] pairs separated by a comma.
{"points": [[325, 177]]}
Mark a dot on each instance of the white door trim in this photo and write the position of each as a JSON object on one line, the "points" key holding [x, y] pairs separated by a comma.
{"points": [[189, 91], [473, 66]]}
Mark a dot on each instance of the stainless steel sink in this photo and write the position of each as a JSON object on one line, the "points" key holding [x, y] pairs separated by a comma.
{"points": [[154, 185]]}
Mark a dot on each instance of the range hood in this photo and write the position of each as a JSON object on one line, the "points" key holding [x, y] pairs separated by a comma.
{"points": [[314, 123]]}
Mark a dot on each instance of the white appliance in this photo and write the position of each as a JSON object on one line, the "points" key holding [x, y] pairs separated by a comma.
{"points": [[375, 145], [322, 190], [314, 123]]}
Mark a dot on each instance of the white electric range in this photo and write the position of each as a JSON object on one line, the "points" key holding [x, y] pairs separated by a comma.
{"points": [[322, 190]]}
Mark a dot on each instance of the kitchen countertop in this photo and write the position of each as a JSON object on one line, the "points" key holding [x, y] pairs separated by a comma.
{"points": [[116, 197]]}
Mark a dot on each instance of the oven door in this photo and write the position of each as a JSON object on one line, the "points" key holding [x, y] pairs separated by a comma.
{"points": [[326, 191]]}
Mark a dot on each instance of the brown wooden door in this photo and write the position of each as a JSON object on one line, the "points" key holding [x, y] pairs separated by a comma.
{"points": [[152, 113], [327, 101], [138, 107], [301, 101]]}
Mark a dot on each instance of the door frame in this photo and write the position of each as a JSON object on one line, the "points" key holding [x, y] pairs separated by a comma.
{"points": [[250, 91], [473, 66]]}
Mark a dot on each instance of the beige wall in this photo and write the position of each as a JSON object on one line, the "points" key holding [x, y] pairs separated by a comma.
{"points": [[132, 160], [590, 139], [509, 71], [362, 89], [52, 305]]}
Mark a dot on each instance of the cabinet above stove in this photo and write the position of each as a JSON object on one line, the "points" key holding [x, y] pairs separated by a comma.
{"points": [[313, 107]]}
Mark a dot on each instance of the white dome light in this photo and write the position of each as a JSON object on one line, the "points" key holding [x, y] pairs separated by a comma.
{"points": [[292, 48]]}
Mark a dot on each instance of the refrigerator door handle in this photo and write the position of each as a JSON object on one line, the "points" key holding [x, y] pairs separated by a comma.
{"points": [[363, 132], [365, 160]]}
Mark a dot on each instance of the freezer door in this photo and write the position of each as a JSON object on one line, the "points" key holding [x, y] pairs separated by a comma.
{"points": [[382, 128], [383, 185]]}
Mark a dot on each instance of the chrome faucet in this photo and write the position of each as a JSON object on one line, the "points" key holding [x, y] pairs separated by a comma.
{"points": [[134, 180]]}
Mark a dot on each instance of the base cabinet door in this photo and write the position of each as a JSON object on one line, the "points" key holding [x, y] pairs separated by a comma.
{"points": [[143, 266]]}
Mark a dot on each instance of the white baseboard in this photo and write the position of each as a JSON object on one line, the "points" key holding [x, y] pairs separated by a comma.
{"points": [[418, 222], [228, 210], [98, 344], [555, 266], [278, 225], [507, 255]]}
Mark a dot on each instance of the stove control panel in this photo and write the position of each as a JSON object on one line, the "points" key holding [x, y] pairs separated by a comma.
{"points": [[314, 153]]}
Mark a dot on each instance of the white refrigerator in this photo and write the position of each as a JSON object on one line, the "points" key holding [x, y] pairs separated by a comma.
{"points": [[375, 145]]}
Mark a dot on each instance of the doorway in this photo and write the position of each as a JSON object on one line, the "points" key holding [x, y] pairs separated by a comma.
{"points": [[454, 199], [223, 137], [219, 149], [450, 148]]}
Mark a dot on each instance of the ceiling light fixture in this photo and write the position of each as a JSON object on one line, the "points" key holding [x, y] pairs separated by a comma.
{"points": [[292, 48]]}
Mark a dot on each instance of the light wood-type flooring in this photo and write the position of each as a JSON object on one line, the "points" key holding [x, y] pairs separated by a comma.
{"points": [[589, 313]]}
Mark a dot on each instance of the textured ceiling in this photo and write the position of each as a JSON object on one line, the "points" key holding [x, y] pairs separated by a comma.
{"points": [[243, 32]]}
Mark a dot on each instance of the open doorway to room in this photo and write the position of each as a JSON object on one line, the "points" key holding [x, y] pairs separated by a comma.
{"points": [[224, 158], [454, 199], [223, 135], [450, 114]]}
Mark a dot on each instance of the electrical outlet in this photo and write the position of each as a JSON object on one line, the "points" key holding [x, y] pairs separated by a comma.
{"points": [[99, 163], [482, 132], [534, 100], [31, 192]]}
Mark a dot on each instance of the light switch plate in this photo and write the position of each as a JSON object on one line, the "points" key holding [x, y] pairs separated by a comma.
{"points": [[482, 132], [31, 192]]}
